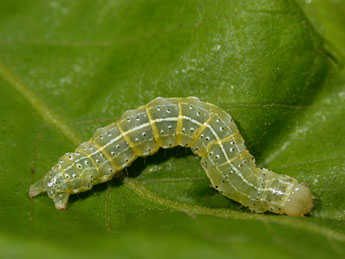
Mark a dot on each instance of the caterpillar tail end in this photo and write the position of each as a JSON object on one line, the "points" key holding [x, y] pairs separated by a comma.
{"points": [[36, 188], [60, 198], [61, 201], [300, 201]]}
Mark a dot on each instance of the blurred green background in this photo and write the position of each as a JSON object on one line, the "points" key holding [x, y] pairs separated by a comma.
{"points": [[69, 67]]}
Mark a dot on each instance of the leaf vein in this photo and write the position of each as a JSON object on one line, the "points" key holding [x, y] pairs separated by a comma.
{"points": [[37, 104], [226, 213]]}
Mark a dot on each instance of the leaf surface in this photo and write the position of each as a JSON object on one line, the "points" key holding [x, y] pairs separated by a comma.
{"points": [[69, 67]]}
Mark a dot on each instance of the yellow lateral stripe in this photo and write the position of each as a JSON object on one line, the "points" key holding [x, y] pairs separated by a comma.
{"points": [[154, 128], [224, 140], [89, 157], [203, 154], [233, 136], [129, 142], [202, 128], [241, 155], [99, 148], [63, 172], [179, 123], [288, 190]]}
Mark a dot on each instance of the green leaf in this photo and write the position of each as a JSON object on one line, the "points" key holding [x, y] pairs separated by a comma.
{"points": [[69, 67]]}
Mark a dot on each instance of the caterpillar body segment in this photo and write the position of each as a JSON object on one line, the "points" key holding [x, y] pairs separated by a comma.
{"points": [[165, 123]]}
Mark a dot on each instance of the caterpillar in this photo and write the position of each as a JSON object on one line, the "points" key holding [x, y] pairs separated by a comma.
{"points": [[208, 130]]}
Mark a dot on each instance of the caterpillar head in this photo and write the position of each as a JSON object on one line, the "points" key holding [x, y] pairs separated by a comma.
{"points": [[56, 187], [300, 201]]}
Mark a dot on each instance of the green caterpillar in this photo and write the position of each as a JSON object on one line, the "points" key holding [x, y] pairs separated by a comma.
{"points": [[168, 122]]}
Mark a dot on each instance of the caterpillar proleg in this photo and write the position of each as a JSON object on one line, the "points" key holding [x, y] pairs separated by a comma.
{"points": [[209, 131]]}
